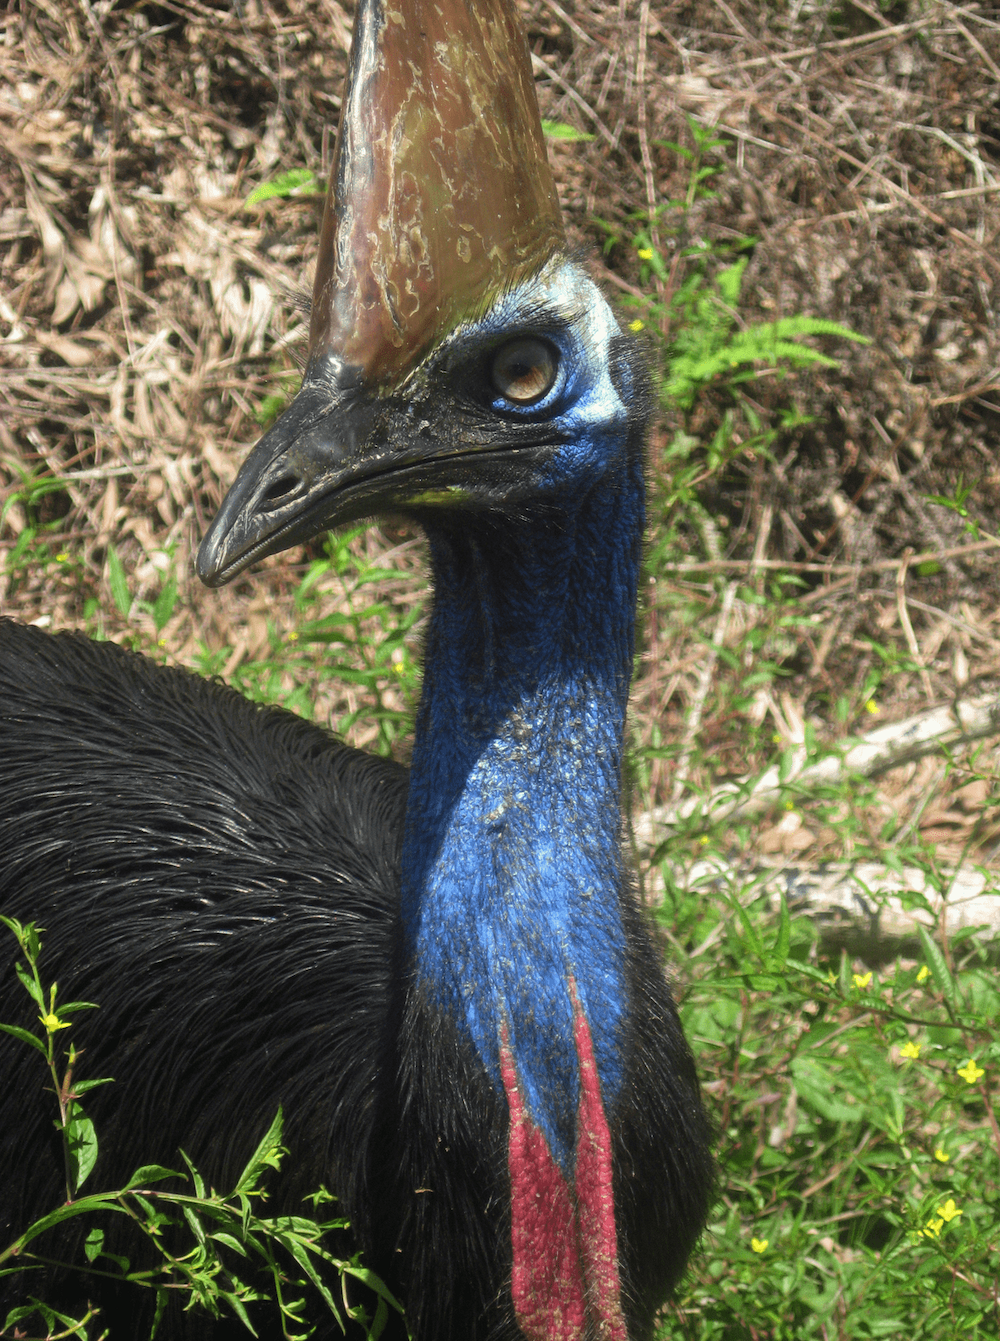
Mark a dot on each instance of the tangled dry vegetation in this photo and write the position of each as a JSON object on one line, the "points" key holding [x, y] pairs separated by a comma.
{"points": [[145, 314]]}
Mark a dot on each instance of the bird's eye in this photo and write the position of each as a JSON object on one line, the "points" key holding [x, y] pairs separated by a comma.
{"points": [[524, 370]]}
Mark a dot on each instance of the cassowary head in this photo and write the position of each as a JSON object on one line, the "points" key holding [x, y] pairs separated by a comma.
{"points": [[457, 360]]}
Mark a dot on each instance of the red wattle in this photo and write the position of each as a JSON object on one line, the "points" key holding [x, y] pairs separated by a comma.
{"points": [[546, 1281], [595, 1198], [565, 1244]]}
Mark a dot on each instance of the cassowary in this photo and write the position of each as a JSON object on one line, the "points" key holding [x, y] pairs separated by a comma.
{"points": [[443, 977]]}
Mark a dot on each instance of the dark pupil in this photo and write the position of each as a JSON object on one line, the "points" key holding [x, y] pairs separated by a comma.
{"points": [[523, 372]]}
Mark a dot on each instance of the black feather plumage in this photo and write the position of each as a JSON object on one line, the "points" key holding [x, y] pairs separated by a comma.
{"points": [[222, 879]]}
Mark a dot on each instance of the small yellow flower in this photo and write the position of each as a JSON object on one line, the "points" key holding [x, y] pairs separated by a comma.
{"points": [[970, 1072], [924, 973], [789, 805], [871, 706], [949, 1211], [776, 738], [62, 558], [703, 840], [933, 1229], [636, 326], [941, 1155], [53, 1022], [831, 978], [759, 1245], [645, 254], [861, 980], [911, 1051], [162, 642], [293, 637]]}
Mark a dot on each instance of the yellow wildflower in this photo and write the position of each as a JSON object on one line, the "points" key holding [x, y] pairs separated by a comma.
{"points": [[53, 1022], [941, 1155], [645, 254], [970, 1072], [933, 1229], [871, 706], [636, 326], [293, 637], [911, 1051], [949, 1210], [62, 558], [924, 973], [759, 1245], [861, 980]]}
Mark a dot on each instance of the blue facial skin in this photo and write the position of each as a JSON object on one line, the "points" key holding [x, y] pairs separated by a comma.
{"points": [[512, 866]]}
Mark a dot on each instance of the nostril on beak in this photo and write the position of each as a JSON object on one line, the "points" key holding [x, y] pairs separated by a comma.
{"points": [[279, 489]]}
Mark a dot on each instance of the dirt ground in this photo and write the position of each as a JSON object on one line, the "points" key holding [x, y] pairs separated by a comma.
{"points": [[145, 314]]}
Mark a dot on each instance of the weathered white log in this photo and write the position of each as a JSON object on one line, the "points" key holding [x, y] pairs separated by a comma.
{"points": [[887, 747], [864, 906]]}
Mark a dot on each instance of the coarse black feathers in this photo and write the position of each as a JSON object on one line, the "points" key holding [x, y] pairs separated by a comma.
{"points": [[222, 879]]}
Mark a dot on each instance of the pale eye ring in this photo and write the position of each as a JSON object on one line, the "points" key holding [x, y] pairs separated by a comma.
{"points": [[524, 370]]}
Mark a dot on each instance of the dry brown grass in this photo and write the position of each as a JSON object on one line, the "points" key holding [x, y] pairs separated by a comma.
{"points": [[145, 314]]}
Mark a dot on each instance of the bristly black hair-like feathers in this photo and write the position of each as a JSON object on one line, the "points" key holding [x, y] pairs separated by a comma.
{"points": [[222, 879]]}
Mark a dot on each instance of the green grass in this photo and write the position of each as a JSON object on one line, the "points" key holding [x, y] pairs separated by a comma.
{"points": [[857, 1137]]}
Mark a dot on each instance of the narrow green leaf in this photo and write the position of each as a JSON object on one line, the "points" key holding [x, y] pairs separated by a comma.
{"points": [[783, 939], [194, 1224], [25, 1037], [82, 1086], [295, 182], [163, 606], [559, 130], [118, 583], [229, 1241], [150, 1173], [81, 1147], [936, 963], [266, 1154], [30, 985]]}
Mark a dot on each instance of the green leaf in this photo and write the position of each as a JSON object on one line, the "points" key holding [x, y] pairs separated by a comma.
{"points": [[783, 940], [295, 182], [81, 1147], [31, 985], [25, 1037], [163, 607], [82, 1086], [268, 1153], [229, 1241], [118, 583], [559, 130], [150, 1173], [937, 964], [93, 1244]]}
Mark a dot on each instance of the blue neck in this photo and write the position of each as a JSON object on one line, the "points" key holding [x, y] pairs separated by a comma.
{"points": [[512, 867]]}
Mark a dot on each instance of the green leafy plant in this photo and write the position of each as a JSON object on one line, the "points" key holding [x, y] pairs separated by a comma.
{"points": [[860, 1147], [212, 1229]]}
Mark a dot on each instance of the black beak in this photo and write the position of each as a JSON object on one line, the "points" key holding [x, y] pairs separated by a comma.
{"points": [[282, 494]]}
